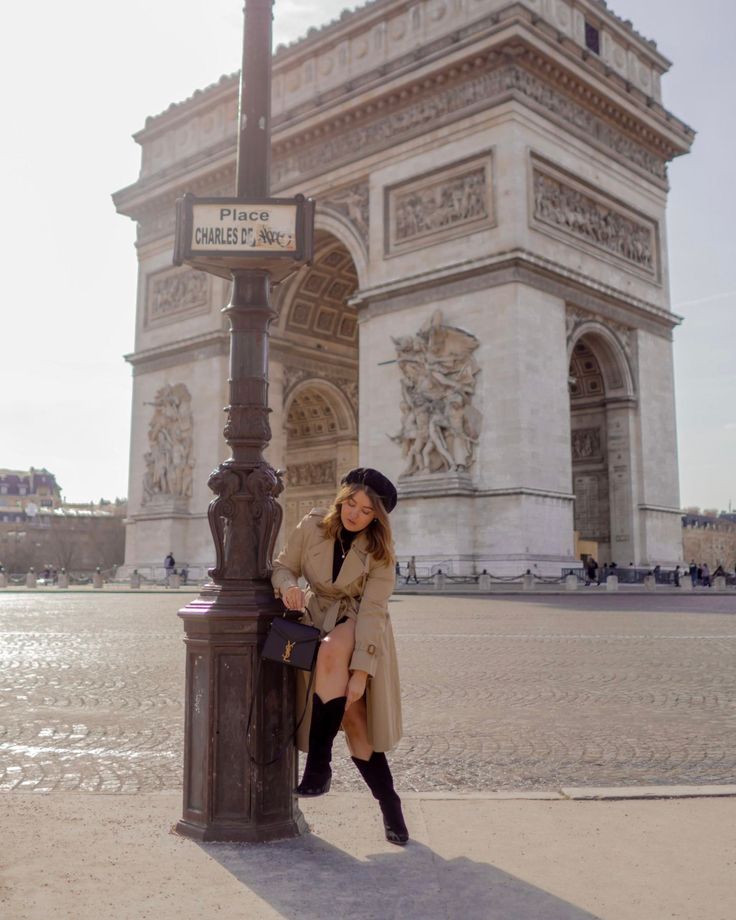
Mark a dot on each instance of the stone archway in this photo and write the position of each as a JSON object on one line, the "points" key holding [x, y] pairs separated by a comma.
{"points": [[321, 445], [318, 346], [602, 407]]}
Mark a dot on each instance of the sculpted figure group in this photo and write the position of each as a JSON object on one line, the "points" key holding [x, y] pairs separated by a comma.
{"points": [[169, 461], [440, 426]]}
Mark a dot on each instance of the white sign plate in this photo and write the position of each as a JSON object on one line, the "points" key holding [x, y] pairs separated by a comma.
{"points": [[232, 227]]}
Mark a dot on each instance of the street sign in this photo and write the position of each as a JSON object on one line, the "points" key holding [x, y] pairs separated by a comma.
{"points": [[220, 235]]}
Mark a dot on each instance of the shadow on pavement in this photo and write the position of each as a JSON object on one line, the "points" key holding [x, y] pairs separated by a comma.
{"points": [[310, 879]]}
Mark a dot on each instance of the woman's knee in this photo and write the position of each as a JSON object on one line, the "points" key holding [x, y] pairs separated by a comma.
{"points": [[334, 654]]}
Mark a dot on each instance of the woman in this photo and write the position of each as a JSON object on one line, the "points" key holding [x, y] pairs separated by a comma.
{"points": [[346, 555]]}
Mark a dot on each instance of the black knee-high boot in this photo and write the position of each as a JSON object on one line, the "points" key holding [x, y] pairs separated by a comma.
{"points": [[377, 774], [326, 719]]}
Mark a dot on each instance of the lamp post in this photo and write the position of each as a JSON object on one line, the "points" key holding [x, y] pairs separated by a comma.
{"points": [[231, 792]]}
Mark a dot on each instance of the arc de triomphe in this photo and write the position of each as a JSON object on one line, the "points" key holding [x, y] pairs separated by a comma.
{"points": [[487, 316]]}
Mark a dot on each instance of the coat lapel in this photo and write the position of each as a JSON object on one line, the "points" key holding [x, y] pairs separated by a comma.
{"points": [[354, 564]]}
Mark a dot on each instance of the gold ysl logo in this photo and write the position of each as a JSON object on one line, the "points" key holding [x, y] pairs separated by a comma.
{"points": [[287, 650]]}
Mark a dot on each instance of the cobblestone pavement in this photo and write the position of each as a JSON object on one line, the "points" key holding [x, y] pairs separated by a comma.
{"points": [[499, 693]]}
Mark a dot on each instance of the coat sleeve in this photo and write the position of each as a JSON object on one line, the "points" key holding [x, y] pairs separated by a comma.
{"points": [[287, 566], [372, 616]]}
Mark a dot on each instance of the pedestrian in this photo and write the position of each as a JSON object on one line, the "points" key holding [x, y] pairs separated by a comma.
{"points": [[397, 569], [170, 564], [705, 575], [657, 572], [677, 576], [184, 573], [591, 568], [693, 572], [346, 555], [411, 570]]}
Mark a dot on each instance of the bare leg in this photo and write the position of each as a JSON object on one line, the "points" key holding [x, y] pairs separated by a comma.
{"points": [[355, 723], [335, 652]]}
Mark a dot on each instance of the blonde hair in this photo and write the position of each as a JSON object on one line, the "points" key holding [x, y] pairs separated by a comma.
{"points": [[380, 539]]}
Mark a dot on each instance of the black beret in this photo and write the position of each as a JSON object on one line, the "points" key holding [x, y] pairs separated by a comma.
{"points": [[383, 487]]}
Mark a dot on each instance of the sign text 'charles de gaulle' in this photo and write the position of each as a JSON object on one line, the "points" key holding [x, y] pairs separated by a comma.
{"points": [[222, 234]]}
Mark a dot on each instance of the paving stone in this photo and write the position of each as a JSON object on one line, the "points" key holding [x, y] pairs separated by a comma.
{"points": [[499, 693]]}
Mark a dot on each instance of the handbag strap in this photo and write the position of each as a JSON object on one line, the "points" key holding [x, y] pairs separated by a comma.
{"points": [[292, 739]]}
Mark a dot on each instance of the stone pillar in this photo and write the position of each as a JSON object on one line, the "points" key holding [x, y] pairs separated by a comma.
{"points": [[484, 582], [719, 583], [63, 580], [571, 582], [527, 582], [3, 579], [612, 583], [97, 581], [686, 583], [173, 581], [650, 583], [439, 580], [135, 581], [31, 578]]}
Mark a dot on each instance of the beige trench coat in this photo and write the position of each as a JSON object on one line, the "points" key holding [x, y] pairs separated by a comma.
{"points": [[361, 592]]}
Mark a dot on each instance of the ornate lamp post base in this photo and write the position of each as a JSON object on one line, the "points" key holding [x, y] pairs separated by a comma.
{"points": [[227, 796]]}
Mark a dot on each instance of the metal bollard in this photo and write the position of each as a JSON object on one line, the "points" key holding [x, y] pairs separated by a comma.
{"points": [[612, 583], [571, 582]]}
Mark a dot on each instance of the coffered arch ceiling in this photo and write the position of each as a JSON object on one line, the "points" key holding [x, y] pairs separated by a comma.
{"points": [[315, 305]]}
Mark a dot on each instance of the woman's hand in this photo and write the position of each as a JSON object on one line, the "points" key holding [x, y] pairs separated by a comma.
{"points": [[293, 598], [356, 687]]}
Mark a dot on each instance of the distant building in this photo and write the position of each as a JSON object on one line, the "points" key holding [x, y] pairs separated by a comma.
{"points": [[709, 537], [27, 490], [38, 529]]}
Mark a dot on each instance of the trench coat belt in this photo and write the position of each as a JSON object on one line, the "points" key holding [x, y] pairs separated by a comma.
{"points": [[331, 611]]}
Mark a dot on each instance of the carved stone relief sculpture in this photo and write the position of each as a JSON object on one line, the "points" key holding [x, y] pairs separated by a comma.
{"points": [[173, 293], [451, 202], [169, 461], [439, 424], [595, 221], [352, 203]]}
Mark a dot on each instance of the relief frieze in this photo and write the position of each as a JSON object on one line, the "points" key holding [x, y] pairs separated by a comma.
{"points": [[322, 472], [174, 293], [571, 209], [453, 201], [448, 99]]}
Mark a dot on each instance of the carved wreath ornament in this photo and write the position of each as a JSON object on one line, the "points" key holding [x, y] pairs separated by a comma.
{"points": [[439, 424]]}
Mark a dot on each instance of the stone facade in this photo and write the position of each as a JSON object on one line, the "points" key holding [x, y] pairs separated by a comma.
{"points": [[490, 180], [711, 539]]}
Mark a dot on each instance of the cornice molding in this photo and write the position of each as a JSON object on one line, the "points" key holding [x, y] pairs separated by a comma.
{"points": [[515, 266], [211, 344]]}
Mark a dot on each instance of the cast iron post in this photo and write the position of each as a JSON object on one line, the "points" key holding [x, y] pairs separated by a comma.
{"points": [[228, 796]]}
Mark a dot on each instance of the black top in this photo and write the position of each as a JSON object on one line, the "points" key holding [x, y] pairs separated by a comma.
{"points": [[343, 542]]}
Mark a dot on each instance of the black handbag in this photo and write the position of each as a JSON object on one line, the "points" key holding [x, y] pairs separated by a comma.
{"points": [[295, 645], [292, 643]]}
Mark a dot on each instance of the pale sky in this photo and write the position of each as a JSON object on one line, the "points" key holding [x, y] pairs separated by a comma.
{"points": [[79, 79]]}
